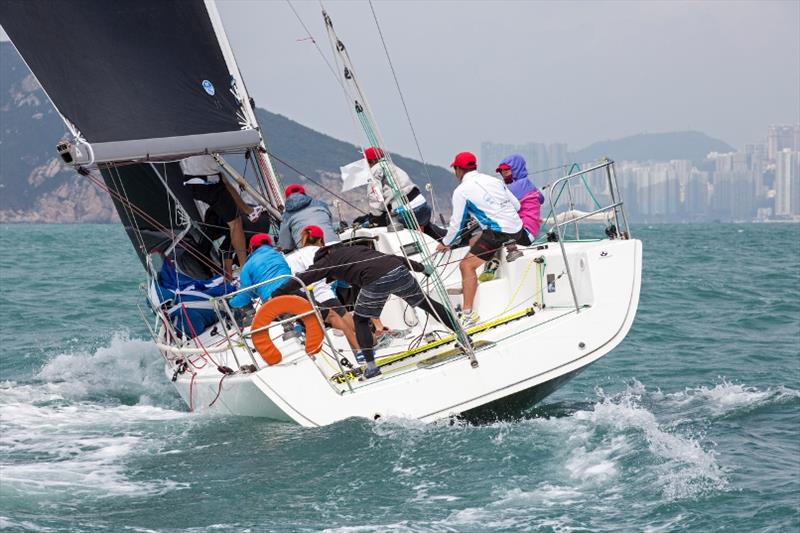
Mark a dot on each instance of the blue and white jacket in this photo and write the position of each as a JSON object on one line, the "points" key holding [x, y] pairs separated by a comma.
{"points": [[488, 200]]}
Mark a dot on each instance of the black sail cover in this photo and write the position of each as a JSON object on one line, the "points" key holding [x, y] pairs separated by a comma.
{"points": [[136, 78]]}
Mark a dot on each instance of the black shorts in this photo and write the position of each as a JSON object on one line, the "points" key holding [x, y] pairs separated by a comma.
{"points": [[218, 198], [331, 305], [491, 241]]}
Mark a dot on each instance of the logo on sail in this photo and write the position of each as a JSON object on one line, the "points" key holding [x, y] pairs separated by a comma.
{"points": [[209, 87]]}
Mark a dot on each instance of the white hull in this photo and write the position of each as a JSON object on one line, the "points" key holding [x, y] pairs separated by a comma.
{"points": [[531, 352]]}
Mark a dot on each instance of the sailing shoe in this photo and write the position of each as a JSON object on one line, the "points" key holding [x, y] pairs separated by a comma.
{"points": [[489, 270], [398, 333], [469, 319], [383, 341], [371, 372]]}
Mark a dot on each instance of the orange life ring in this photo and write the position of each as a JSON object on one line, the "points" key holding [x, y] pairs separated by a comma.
{"points": [[285, 305]]}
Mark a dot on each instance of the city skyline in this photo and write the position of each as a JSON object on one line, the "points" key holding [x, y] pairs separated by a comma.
{"points": [[760, 182]]}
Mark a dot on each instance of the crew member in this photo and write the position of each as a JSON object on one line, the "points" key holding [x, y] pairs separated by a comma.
{"points": [[312, 238], [264, 263], [493, 206], [515, 174], [204, 179], [381, 195], [301, 211], [378, 276]]}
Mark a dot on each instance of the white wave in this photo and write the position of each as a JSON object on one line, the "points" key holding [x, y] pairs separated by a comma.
{"points": [[684, 468], [515, 509], [598, 464], [77, 449], [125, 367], [8, 523], [726, 397]]}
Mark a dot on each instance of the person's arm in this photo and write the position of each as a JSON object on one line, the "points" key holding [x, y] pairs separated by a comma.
{"points": [[374, 191], [243, 298], [327, 209], [458, 220], [315, 272], [512, 199], [285, 236], [416, 266]]}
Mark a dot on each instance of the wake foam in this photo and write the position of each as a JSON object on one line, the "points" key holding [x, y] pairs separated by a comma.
{"points": [[72, 430], [74, 450], [681, 466], [730, 398], [130, 371]]}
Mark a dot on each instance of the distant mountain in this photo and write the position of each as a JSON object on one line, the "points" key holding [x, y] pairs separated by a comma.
{"points": [[691, 145], [35, 186]]}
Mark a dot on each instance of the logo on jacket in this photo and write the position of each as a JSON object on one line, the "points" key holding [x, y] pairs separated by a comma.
{"points": [[209, 87]]}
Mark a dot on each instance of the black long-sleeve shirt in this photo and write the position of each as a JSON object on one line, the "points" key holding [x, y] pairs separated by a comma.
{"points": [[356, 264]]}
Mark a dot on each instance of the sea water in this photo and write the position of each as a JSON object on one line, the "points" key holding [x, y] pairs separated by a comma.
{"points": [[693, 422]]}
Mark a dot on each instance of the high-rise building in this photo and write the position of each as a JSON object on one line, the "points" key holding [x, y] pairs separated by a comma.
{"points": [[787, 183], [780, 137], [734, 195], [696, 197]]}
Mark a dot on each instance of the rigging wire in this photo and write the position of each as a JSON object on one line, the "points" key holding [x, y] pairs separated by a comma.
{"points": [[400, 93], [317, 183], [331, 68], [366, 117]]}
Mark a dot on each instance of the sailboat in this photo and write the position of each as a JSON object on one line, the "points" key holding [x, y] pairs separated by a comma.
{"points": [[143, 85]]}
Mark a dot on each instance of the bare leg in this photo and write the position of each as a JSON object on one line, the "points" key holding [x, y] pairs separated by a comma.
{"points": [[469, 280], [227, 268], [345, 325], [237, 239]]}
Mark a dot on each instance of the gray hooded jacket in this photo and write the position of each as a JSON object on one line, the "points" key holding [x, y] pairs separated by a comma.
{"points": [[301, 211]]}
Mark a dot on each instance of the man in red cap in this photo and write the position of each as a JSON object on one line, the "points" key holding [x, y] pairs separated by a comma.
{"points": [[302, 211], [381, 196], [264, 263], [378, 276], [312, 238], [491, 204]]}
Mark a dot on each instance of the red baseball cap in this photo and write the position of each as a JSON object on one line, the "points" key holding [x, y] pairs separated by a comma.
{"points": [[291, 189], [259, 239], [373, 154], [502, 166], [314, 232], [465, 160]]}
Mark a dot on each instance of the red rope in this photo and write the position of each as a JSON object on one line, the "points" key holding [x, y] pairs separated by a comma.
{"points": [[191, 401], [196, 338], [219, 389]]}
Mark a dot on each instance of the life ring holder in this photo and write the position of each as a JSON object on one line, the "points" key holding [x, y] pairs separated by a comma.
{"points": [[288, 304]]}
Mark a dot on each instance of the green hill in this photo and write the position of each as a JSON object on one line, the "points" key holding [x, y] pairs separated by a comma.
{"points": [[692, 145]]}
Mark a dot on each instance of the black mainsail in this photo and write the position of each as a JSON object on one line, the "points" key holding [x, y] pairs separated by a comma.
{"points": [[133, 80], [141, 85]]}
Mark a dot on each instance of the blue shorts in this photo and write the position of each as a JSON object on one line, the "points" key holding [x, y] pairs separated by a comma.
{"points": [[398, 281]]}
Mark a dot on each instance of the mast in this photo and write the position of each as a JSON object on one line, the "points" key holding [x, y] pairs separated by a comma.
{"points": [[368, 123]]}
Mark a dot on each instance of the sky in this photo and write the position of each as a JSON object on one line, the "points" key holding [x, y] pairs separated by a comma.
{"points": [[518, 72], [522, 71]]}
